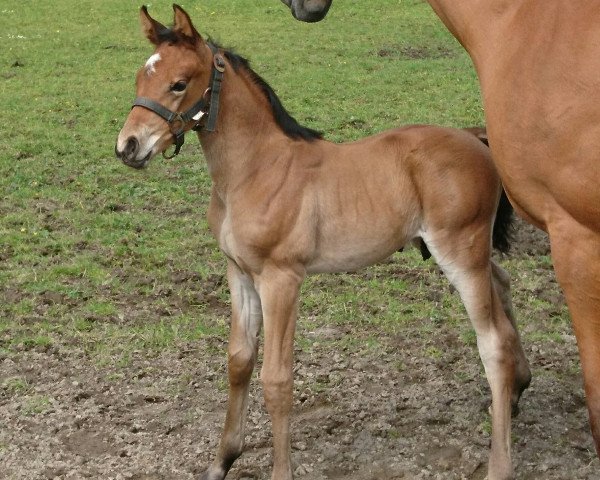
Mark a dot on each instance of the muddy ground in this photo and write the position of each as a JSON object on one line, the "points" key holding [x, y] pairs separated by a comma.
{"points": [[359, 414]]}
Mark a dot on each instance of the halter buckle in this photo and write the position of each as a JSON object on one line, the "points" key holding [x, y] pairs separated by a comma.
{"points": [[219, 63], [201, 113], [198, 116]]}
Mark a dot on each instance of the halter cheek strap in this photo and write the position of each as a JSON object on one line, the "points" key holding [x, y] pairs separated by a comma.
{"points": [[178, 120]]}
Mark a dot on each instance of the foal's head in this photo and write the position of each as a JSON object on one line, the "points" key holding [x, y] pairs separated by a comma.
{"points": [[176, 77], [179, 88]]}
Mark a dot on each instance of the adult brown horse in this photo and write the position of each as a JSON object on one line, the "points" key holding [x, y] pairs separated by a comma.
{"points": [[539, 68], [286, 203]]}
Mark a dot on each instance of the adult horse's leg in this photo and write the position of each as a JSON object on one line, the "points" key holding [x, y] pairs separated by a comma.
{"points": [[246, 319], [501, 280], [464, 256], [576, 256], [278, 290]]}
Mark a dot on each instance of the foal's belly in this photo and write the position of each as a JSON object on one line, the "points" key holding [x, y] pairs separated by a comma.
{"points": [[358, 227], [348, 253]]}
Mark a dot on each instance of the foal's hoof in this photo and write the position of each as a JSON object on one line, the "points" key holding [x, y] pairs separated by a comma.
{"points": [[519, 389], [208, 475]]}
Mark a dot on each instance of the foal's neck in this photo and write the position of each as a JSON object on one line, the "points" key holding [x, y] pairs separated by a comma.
{"points": [[247, 137]]}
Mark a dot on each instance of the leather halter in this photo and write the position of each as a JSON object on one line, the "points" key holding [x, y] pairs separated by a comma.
{"points": [[209, 100]]}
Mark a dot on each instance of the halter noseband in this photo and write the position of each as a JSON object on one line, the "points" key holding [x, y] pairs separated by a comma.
{"points": [[178, 120]]}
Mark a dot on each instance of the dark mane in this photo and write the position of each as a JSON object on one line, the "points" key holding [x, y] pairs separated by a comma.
{"points": [[288, 124], [169, 35]]}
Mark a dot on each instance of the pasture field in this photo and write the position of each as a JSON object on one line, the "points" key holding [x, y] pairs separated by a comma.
{"points": [[113, 302]]}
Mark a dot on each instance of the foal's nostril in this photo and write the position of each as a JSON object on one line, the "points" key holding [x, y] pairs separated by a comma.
{"points": [[117, 153], [131, 147]]}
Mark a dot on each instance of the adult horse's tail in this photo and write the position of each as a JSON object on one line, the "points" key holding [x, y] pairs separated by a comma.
{"points": [[502, 233]]}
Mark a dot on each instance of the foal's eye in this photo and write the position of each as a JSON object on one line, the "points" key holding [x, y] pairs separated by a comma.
{"points": [[178, 86]]}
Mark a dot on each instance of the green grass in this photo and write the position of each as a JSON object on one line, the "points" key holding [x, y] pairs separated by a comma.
{"points": [[35, 405], [15, 385], [90, 249]]}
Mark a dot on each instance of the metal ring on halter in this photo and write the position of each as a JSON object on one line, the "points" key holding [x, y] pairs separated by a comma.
{"points": [[168, 157], [179, 135], [177, 121]]}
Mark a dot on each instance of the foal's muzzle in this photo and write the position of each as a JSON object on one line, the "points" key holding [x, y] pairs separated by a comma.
{"points": [[129, 154]]}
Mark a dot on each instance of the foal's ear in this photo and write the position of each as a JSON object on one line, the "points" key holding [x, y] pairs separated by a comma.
{"points": [[183, 24], [150, 27]]}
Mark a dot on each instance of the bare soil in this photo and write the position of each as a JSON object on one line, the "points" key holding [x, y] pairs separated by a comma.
{"points": [[360, 414]]}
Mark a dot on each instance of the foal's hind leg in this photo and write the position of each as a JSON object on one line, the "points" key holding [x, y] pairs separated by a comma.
{"points": [[522, 373], [465, 258], [246, 321]]}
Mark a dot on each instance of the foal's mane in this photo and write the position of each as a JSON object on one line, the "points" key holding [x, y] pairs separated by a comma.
{"points": [[286, 122]]}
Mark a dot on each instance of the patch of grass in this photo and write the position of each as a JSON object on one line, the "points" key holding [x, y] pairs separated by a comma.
{"points": [[222, 384], [486, 426], [101, 308], [82, 325], [545, 336], [469, 337], [31, 341], [35, 405], [400, 366], [433, 352], [114, 377], [23, 307], [461, 376], [114, 344], [15, 385]]}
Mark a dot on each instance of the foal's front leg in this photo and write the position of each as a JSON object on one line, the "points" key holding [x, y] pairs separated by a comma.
{"points": [[278, 290], [246, 319]]}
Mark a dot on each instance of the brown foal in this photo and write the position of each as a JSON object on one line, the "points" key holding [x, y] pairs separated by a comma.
{"points": [[286, 203], [538, 64]]}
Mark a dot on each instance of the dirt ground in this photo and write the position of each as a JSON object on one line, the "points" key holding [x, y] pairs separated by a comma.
{"points": [[388, 413]]}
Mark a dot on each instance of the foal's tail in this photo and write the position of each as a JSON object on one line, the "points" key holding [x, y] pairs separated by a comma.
{"points": [[504, 228], [502, 233]]}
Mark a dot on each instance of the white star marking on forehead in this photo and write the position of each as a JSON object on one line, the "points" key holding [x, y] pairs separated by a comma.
{"points": [[151, 62]]}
